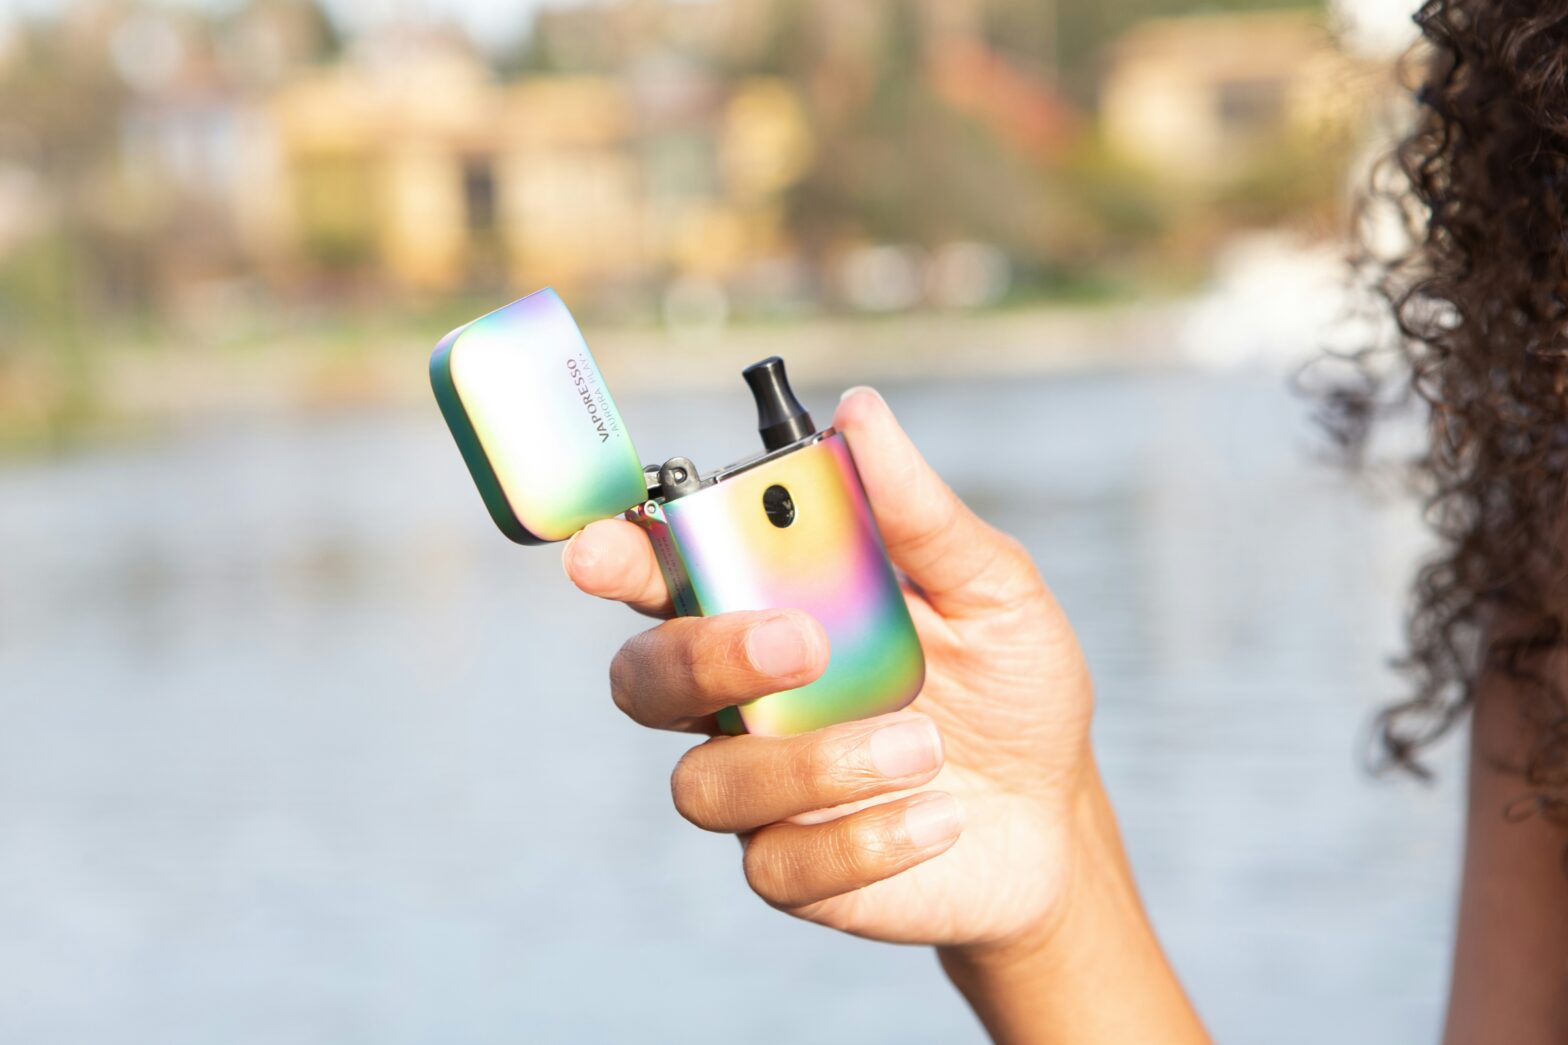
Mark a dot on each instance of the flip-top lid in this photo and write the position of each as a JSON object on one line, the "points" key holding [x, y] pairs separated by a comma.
{"points": [[535, 421]]}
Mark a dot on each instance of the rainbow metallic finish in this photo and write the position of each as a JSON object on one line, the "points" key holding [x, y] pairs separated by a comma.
{"points": [[535, 422], [720, 553], [545, 445]]}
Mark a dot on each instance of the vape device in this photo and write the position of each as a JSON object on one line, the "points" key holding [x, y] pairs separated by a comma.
{"points": [[788, 527]]}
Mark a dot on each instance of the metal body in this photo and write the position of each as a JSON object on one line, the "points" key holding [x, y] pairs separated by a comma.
{"points": [[721, 552], [790, 528]]}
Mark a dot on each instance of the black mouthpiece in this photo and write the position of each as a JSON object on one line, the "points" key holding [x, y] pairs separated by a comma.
{"points": [[780, 418]]}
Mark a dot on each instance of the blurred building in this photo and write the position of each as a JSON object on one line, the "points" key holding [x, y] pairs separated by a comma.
{"points": [[382, 161], [1203, 98], [413, 158], [775, 154]]}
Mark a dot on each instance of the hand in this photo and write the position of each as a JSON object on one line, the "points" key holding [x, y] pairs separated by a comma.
{"points": [[953, 822]]}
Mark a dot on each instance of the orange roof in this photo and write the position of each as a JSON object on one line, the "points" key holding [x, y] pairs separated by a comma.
{"points": [[1020, 108]]}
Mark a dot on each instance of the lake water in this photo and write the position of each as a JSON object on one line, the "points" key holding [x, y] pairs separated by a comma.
{"points": [[295, 748]]}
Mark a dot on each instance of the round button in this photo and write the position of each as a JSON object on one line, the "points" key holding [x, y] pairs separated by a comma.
{"points": [[779, 506]]}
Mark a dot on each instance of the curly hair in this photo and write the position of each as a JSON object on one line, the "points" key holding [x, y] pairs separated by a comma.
{"points": [[1479, 294]]}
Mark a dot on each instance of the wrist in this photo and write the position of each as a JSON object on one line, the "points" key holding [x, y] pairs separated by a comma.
{"points": [[1089, 866], [1091, 969]]}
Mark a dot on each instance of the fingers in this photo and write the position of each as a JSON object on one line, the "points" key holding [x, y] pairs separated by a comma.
{"points": [[612, 559], [742, 783], [677, 674], [958, 561], [792, 865]]}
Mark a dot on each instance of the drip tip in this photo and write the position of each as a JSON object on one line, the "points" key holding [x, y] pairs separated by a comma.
{"points": [[781, 420]]}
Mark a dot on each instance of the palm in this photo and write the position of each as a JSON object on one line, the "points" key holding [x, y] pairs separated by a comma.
{"points": [[1011, 695]]}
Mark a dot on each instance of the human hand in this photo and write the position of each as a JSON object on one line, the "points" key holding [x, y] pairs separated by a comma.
{"points": [[866, 826]]}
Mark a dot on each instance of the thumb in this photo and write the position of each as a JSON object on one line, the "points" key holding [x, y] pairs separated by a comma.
{"points": [[960, 563]]}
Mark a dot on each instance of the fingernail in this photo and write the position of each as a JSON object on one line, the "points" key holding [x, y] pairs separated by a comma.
{"points": [[861, 388], [906, 748], [933, 820], [778, 647]]}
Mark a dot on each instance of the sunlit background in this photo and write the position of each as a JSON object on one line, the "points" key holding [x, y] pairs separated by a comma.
{"points": [[295, 747]]}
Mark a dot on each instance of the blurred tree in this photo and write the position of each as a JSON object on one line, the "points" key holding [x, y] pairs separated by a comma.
{"points": [[62, 103], [1085, 27], [96, 101], [869, 112], [1028, 32], [933, 122], [898, 160]]}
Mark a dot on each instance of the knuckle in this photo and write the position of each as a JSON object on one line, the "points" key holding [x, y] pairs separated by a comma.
{"points": [[766, 869], [824, 767], [1014, 572], [869, 847], [1012, 548], [701, 674], [699, 796], [1013, 555], [711, 659], [651, 668]]}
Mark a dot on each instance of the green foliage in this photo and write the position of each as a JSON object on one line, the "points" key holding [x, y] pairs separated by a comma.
{"points": [[336, 201], [903, 167], [1289, 182], [1127, 206], [1085, 27]]}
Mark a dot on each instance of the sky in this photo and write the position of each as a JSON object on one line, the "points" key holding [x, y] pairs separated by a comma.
{"points": [[491, 22], [1384, 24]]}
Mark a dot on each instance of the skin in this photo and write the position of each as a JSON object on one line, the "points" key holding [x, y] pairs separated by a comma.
{"points": [[974, 821], [1510, 975]]}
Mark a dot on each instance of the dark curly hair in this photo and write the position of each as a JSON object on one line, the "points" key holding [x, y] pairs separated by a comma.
{"points": [[1479, 293]]}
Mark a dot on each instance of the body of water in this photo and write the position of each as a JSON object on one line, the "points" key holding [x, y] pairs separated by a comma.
{"points": [[294, 747]]}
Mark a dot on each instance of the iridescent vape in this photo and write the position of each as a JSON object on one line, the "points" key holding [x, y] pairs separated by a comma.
{"points": [[787, 528]]}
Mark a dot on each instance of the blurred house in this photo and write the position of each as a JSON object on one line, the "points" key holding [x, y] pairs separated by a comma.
{"points": [[639, 144], [1203, 98], [754, 151], [411, 158], [383, 161]]}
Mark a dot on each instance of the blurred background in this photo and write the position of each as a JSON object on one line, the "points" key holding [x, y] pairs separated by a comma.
{"points": [[295, 747]]}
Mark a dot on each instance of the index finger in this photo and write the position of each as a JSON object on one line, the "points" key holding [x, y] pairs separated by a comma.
{"points": [[613, 559], [961, 563]]}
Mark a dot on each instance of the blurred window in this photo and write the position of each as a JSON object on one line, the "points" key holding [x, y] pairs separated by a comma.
{"points": [[479, 193], [1250, 106]]}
